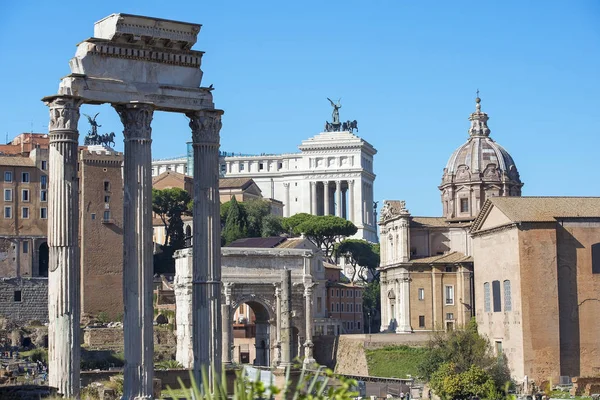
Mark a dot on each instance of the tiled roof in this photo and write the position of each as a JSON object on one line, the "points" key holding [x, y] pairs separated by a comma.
{"points": [[540, 209], [331, 266], [291, 243], [264, 243], [449, 258], [235, 183], [16, 161], [345, 285], [417, 222]]}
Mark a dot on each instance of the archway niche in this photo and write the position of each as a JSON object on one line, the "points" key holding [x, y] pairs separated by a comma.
{"points": [[43, 260], [252, 334]]}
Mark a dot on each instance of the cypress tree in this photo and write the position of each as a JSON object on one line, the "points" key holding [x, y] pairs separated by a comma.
{"points": [[236, 224]]}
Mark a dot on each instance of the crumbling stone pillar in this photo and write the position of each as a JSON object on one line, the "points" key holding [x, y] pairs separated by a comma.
{"points": [[286, 319], [308, 344], [137, 251], [277, 325], [64, 304], [206, 275]]}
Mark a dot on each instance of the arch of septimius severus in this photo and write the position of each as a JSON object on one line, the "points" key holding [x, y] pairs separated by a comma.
{"points": [[139, 65]]}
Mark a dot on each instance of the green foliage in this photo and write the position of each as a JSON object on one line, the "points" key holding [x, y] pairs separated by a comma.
{"points": [[271, 226], [310, 386], [323, 230], [358, 253], [170, 205], [289, 224], [35, 355], [449, 383], [168, 364], [236, 225], [372, 304], [103, 317], [256, 211], [395, 361], [100, 359], [461, 349]]}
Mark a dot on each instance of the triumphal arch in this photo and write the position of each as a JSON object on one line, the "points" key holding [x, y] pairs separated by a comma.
{"points": [[139, 65]]}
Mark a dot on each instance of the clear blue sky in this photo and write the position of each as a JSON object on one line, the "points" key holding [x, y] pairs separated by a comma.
{"points": [[407, 71]]}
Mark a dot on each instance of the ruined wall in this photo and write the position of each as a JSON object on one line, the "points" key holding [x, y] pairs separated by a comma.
{"points": [[24, 299], [112, 338]]}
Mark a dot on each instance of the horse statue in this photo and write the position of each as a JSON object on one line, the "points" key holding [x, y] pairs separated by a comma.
{"points": [[107, 139]]}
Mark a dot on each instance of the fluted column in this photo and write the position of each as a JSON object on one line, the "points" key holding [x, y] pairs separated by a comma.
{"points": [[351, 216], [137, 250], [226, 327], [286, 319], [338, 198], [326, 198], [313, 198], [308, 310], [278, 327], [206, 294], [64, 304], [286, 186]]}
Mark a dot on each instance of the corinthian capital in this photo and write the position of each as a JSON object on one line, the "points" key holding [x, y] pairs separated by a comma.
{"points": [[136, 119], [205, 126], [64, 112]]}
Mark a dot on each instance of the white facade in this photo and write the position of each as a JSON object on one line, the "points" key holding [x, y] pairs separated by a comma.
{"points": [[179, 164], [332, 175]]}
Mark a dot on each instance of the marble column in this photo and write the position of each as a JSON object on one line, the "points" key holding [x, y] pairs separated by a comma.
{"points": [[338, 200], [313, 198], [225, 329], [308, 313], [278, 327], [286, 187], [404, 323], [206, 281], [326, 198], [351, 216], [286, 319], [398, 305], [383, 298], [137, 250], [64, 304]]}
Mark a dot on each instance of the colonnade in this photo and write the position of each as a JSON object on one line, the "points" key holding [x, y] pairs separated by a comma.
{"points": [[63, 234], [333, 198]]}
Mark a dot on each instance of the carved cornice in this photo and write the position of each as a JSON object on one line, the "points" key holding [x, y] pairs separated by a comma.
{"points": [[393, 209], [64, 113], [205, 126], [136, 119]]}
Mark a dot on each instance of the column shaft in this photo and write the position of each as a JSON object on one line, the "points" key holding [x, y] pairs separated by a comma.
{"points": [[287, 199], [64, 304], [278, 327], [308, 344], [351, 216], [313, 194], [286, 319], [405, 301], [226, 330], [338, 200], [137, 251], [206, 295], [326, 198]]}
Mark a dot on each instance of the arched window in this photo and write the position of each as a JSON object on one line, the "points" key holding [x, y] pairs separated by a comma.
{"points": [[507, 296], [486, 297]]}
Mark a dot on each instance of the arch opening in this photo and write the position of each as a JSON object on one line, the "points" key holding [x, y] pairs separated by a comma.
{"points": [[251, 334], [43, 256]]}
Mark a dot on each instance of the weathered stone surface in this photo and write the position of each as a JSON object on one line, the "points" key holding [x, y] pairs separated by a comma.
{"points": [[33, 303]]}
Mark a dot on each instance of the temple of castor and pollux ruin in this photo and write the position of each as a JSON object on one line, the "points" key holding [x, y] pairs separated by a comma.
{"points": [[139, 65]]}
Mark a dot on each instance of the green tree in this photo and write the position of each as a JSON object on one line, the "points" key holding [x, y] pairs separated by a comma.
{"points": [[325, 230], [271, 226], [289, 224], [256, 210], [236, 225], [358, 253], [463, 348], [448, 383], [170, 205], [372, 305]]}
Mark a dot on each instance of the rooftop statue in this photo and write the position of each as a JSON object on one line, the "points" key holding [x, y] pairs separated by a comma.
{"points": [[93, 138], [336, 125], [336, 111]]}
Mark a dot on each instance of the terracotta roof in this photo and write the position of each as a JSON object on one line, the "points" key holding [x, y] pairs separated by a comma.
{"points": [[331, 266], [292, 243], [417, 222], [177, 175], [16, 161], [449, 258], [540, 209], [346, 285], [235, 183]]}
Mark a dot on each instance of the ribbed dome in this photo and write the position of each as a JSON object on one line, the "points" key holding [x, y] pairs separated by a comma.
{"points": [[477, 170]]}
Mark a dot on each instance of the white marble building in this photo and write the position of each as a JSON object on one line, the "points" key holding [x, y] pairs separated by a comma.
{"points": [[331, 175]]}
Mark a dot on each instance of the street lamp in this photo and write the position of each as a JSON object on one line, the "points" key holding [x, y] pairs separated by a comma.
{"points": [[369, 316]]}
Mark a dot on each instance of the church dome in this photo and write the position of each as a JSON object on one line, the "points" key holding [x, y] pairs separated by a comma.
{"points": [[477, 170]]}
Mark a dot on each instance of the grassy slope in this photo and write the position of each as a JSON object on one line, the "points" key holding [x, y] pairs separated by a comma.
{"points": [[395, 361]]}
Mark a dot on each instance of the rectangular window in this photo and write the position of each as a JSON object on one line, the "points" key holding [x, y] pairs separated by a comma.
{"points": [[279, 165], [449, 295], [43, 213], [25, 195], [223, 168], [448, 269], [25, 177], [507, 296], [106, 186], [242, 166], [596, 258], [358, 325], [7, 212], [342, 292], [44, 181], [25, 247], [337, 307], [486, 297], [319, 305], [332, 293], [421, 321], [44, 195], [7, 176], [350, 307], [261, 166], [449, 316], [498, 347], [7, 194], [421, 293], [107, 199], [17, 296], [44, 165], [93, 216], [106, 215], [496, 296], [332, 307], [464, 205], [25, 212]]}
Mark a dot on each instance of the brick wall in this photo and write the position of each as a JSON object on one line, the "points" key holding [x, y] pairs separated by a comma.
{"points": [[112, 338], [33, 304]]}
